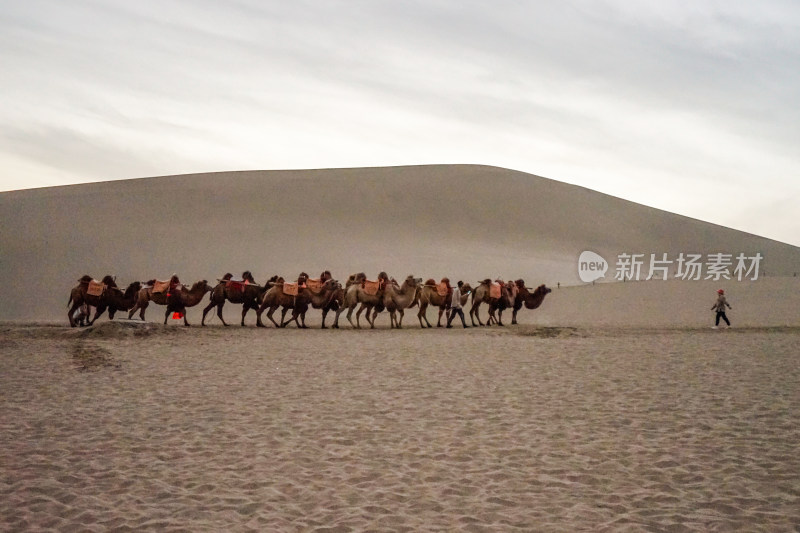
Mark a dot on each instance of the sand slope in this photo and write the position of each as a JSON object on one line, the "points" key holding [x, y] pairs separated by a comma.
{"points": [[462, 221]]}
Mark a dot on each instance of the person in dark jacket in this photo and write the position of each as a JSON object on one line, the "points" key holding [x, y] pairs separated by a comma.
{"points": [[719, 306]]}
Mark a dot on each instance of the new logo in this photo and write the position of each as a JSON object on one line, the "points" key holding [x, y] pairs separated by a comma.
{"points": [[591, 266]]}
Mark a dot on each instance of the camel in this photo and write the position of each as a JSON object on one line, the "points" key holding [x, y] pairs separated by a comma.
{"points": [[429, 295], [356, 294], [247, 292], [498, 305], [181, 298], [77, 296], [146, 295], [531, 300], [335, 304], [299, 304], [339, 297], [397, 299], [112, 298]]}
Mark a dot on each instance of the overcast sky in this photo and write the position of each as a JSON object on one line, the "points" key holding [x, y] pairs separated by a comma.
{"points": [[692, 107]]}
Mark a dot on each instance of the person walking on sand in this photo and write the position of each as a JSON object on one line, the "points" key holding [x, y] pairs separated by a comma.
{"points": [[719, 307], [455, 306]]}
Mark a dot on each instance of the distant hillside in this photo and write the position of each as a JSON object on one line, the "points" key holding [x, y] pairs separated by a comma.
{"points": [[461, 221]]}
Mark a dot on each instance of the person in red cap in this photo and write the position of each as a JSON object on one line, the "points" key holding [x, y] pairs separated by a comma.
{"points": [[719, 306]]}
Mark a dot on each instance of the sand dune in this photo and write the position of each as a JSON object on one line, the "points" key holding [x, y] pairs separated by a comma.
{"points": [[461, 221], [612, 407]]}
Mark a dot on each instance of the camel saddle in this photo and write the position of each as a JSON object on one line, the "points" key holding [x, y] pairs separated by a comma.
{"points": [[290, 289], [372, 287], [236, 285], [160, 286], [315, 285], [95, 288], [495, 290]]}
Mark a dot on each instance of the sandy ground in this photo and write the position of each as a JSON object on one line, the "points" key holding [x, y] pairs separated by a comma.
{"points": [[142, 427]]}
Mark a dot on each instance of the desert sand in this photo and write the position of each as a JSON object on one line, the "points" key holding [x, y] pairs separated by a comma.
{"points": [[129, 426]]}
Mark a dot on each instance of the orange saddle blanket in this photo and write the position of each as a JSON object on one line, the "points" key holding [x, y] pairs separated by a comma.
{"points": [[95, 288], [371, 287], [495, 290], [315, 285], [290, 289], [160, 286], [443, 289]]}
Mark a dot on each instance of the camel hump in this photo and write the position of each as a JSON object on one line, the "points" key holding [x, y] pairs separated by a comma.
{"points": [[86, 278], [520, 283], [109, 280], [430, 282]]}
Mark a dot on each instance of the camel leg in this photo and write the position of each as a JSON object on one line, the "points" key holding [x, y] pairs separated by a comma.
{"points": [[166, 316], [219, 314], [259, 312], [358, 315], [357, 324], [206, 309], [324, 314], [245, 309], [99, 310], [473, 313], [442, 311], [374, 316], [500, 317], [141, 312], [270, 313], [336, 318], [283, 317], [400, 323], [514, 317], [421, 314]]}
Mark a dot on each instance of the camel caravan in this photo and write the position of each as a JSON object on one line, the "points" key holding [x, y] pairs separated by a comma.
{"points": [[294, 298]]}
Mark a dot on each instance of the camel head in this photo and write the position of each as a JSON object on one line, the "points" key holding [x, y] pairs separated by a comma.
{"points": [[411, 281], [542, 289]]}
